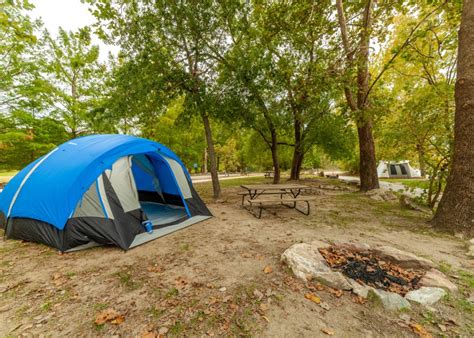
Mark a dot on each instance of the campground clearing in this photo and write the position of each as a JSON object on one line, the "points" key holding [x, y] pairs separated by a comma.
{"points": [[224, 276]]}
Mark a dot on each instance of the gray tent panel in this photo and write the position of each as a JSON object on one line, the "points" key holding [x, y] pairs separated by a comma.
{"points": [[122, 181], [91, 206], [146, 237]]}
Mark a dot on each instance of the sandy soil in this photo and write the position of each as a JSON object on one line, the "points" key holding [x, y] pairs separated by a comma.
{"points": [[208, 279]]}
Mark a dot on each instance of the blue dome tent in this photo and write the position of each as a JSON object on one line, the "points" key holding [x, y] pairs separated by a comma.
{"points": [[100, 190]]}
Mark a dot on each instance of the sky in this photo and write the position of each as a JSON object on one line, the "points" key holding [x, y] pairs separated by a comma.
{"points": [[70, 15]]}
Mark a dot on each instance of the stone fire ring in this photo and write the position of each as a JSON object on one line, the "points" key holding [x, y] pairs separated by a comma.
{"points": [[308, 264]]}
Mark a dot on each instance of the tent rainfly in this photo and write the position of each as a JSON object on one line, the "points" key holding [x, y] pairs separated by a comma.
{"points": [[100, 190], [401, 169]]}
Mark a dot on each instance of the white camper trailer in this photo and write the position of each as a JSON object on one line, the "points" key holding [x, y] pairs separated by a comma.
{"points": [[402, 169]]}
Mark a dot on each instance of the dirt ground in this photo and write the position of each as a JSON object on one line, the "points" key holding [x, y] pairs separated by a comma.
{"points": [[209, 279]]}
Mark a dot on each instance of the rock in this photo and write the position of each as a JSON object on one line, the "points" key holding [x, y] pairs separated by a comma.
{"points": [[426, 295], [442, 327], [360, 290], [406, 318], [307, 263], [163, 330], [404, 259], [354, 247], [223, 289], [325, 306], [258, 294], [436, 278], [470, 251], [382, 195], [409, 203], [390, 300]]}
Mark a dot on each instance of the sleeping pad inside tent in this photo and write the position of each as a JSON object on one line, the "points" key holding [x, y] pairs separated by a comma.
{"points": [[101, 190]]}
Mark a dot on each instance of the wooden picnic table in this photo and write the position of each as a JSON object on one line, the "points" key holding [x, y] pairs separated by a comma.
{"points": [[255, 190], [292, 190]]}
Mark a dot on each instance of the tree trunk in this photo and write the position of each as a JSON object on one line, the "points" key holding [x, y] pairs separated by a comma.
{"points": [[368, 165], [455, 212], [297, 152], [212, 156], [276, 161], [421, 160], [204, 167], [296, 163]]}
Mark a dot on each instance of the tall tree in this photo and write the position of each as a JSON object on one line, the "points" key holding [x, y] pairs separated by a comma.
{"points": [[71, 67], [18, 37], [360, 57], [177, 36], [420, 125], [456, 208], [373, 24]]}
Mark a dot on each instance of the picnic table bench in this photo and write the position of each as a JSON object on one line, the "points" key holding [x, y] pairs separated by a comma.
{"points": [[268, 174], [290, 195]]}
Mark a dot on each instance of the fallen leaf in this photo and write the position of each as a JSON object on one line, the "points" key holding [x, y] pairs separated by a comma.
{"points": [[336, 292], [359, 300], [442, 327], [328, 331], [109, 315], [118, 320], [319, 286], [264, 307], [312, 297], [155, 268], [420, 331], [268, 269]]}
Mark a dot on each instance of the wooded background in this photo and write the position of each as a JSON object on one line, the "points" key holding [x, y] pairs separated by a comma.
{"points": [[241, 85]]}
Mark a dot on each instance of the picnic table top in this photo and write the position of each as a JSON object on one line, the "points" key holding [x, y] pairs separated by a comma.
{"points": [[273, 186]]}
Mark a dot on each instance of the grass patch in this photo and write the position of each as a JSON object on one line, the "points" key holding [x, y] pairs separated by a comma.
{"points": [[173, 292], [98, 327], [177, 329], [155, 312], [205, 189], [185, 247], [465, 305], [46, 306], [100, 306], [410, 182], [8, 173], [126, 280], [467, 279], [444, 267]]}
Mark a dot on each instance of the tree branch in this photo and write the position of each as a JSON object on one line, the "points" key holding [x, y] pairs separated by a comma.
{"points": [[406, 43]]}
